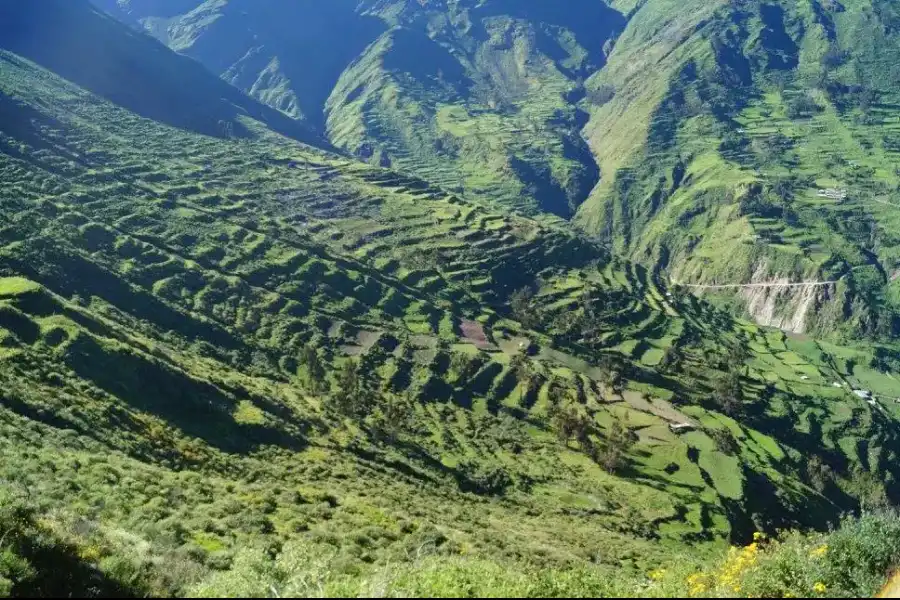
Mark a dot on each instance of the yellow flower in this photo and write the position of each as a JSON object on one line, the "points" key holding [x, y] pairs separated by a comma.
{"points": [[698, 589], [819, 588], [757, 536], [736, 589], [657, 574], [91, 553], [820, 551]]}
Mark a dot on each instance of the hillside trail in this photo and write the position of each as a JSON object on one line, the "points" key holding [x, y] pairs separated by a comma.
{"points": [[755, 285], [892, 589], [726, 286]]}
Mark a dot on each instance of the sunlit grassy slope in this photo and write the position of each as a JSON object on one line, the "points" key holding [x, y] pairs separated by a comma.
{"points": [[161, 291], [730, 124], [692, 136]]}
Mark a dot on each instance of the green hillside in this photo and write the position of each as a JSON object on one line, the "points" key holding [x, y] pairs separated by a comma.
{"points": [[232, 362], [670, 130], [758, 150], [472, 96]]}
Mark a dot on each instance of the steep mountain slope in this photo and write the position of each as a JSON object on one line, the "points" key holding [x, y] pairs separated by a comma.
{"points": [[209, 344], [289, 55], [131, 70], [474, 96], [727, 142], [751, 142], [479, 96]]}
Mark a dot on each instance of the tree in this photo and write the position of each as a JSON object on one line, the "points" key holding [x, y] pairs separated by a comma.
{"points": [[619, 442], [725, 442], [315, 370], [865, 100], [602, 94], [671, 359], [570, 422], [533, 383], [521, 369], [464, 365], [803, 106], [482, 478], [737, 357], [834, 57], [820, 474], [772, 148], [611, 373], [783, 187], [393, 416], [351, 398], [728, 394], [520, 304]]}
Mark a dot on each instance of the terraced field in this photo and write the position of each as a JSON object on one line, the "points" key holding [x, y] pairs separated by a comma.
{"points": [[215, 343], [759, 151]]}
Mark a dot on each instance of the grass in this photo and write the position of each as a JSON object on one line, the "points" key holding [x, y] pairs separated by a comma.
{"points": [[849, 562], [723, 158], [158, 334]]}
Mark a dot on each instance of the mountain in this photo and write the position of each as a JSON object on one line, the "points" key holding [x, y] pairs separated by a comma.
{"points": [[753, 143], [76, 41], [471, 95], [239, 361], [727, 143]]}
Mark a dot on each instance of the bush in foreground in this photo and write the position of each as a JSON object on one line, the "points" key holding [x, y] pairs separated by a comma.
{"points": [[853, 561]]}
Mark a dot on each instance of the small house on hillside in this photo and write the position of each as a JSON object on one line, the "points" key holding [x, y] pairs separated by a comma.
{"points": [[680, 428], [833, 194]]}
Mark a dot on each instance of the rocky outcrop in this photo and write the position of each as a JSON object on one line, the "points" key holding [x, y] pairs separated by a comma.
{"points": [[777, 300], [784, 304]]}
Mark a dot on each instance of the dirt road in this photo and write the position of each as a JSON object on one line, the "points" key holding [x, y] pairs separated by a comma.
{"points": [[727, 286], [755, 285]]}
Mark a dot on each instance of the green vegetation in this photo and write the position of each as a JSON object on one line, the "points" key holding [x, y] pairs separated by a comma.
{"points": [[722, 142], [758, 149], [242, 364], [477, 97], [848, 563]]}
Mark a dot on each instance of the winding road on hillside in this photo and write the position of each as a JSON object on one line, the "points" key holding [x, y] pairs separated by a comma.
{"points": [[754, 285], [733, 286]]}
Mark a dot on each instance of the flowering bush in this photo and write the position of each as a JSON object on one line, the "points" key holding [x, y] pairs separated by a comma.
{"points": [[853, 561]]}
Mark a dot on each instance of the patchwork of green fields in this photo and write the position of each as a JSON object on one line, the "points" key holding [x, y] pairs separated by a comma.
{"points": [[765, 153], [159, 291], [215, 346]]}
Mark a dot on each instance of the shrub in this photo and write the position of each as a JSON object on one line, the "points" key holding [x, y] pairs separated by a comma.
{"points": [[725, 442], [13, 567], [484, 479], [862, 553], [853, 561], [619, 441], [802, 106], [299, 571]]}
